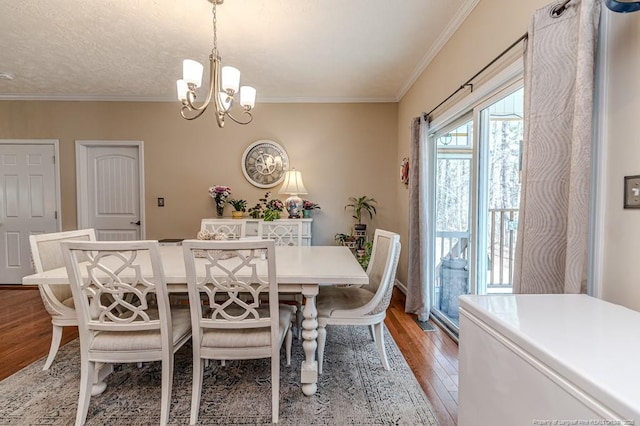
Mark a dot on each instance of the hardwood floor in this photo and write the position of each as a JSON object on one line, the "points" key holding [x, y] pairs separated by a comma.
{"points": [[25, 336], [25, 329]]}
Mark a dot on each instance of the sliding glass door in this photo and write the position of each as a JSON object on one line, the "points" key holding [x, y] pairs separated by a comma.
{"points": [[502, 130], [453, 195], [477, 193]]}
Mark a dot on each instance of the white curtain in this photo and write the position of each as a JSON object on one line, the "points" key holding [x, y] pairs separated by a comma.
{"points": [[421, 191], [552, 249]]}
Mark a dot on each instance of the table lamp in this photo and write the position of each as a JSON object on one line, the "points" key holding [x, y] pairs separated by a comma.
{"points": [[293, 186]]}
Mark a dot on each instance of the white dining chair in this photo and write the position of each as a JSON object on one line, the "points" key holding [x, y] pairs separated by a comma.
{"points": [[123, 312], [58, 299], [233, 229], [236, 324], [365, 305]]}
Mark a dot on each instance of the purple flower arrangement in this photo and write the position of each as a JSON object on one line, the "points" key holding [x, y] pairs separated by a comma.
{"points": [[220, 194]]}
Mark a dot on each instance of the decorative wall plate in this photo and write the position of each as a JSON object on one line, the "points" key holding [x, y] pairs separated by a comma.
{"points": [[404, 171], [264, 163]]}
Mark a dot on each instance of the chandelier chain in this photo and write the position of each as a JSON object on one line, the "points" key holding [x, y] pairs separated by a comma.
{"points": [[215, 33]]}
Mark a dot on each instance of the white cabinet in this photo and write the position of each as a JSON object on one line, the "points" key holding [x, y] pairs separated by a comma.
{"points": [[252, 227], [540, 359]]}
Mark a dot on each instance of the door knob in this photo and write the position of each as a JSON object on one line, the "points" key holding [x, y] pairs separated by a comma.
{"points": [[135, 223]]}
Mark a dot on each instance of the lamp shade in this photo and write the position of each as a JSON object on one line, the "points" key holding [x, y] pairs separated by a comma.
{"points": [[293, 183], [192, 72], [247, 96], [182, 88], [230, 79]]}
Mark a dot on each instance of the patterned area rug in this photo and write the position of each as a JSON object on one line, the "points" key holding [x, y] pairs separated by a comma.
{"points": [[354, 389]]}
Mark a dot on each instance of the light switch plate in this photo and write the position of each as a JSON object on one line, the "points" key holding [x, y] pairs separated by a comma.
{"points": [[632, 192], [160, 202]]}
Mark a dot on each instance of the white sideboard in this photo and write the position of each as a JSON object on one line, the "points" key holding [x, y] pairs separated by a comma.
{"points": [[252, 226], [540, 359]]}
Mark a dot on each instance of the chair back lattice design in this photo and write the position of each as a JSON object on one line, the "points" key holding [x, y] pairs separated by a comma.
{"points": [[382, 269], [284, 234], [234, 279], [47, 255], [232, 228], [111, 290]]}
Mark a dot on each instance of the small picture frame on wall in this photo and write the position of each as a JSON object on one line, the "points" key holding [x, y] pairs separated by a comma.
{"points": [[632, 192]]}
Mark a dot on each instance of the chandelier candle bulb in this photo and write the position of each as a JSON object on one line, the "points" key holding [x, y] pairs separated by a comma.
{"points": [[192, 72], [182, 90], [225, 100], [247, 97], [230, 79]]}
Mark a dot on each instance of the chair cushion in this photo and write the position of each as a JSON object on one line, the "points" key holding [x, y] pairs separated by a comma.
{"points": [[143, 340], [247, 337], [331, 298], [68, 302]]}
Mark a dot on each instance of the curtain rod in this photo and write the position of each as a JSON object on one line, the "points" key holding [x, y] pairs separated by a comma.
{"points": [[468, 82], [556, 12]]}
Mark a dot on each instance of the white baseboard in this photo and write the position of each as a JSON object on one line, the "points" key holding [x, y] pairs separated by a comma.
{"points": [[401, 287]]}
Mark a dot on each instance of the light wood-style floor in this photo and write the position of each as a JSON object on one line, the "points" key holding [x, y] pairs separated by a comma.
{"points": [[25, 336]]}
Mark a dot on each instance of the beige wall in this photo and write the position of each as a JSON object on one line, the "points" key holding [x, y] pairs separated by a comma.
{"points": [[342, 150], [490, 28], [620, 281]]}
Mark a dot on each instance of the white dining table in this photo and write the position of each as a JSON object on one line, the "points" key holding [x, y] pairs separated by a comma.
{"points": [[299, 270]]}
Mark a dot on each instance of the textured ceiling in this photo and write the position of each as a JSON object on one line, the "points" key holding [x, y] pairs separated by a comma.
{"points": [[290, 50]]}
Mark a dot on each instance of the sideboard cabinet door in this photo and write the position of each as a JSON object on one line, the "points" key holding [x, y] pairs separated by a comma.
{"points": [[252, 227]]}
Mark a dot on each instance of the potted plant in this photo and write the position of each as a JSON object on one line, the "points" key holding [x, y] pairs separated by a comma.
{"points": [[307, 207], [359, 205], [273, 209], [269, 208], [255, 212], [345, 240], [239, 207], [364, 256]]}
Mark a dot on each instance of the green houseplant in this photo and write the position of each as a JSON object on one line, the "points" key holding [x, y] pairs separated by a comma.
{"points": [[345, 240], [239, 207], [363, 204], [364, 254], [267, 208]]}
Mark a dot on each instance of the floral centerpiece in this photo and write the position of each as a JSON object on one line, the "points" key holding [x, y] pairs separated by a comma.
{"points": [[273, 209], [307, 207], [220, 194]]}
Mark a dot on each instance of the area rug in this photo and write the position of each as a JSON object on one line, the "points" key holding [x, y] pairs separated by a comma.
{"points": [[354, 389]]}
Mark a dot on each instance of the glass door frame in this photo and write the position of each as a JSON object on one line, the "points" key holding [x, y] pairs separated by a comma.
{"points": [[454, 153], [480, 201], [479, 190]]}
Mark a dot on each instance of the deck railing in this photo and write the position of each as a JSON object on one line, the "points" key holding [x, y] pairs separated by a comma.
{"points": [[502, 230]]}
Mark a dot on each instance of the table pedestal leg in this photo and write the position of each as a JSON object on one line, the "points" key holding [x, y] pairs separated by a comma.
{"points": [[309, 369], [100, 373]]}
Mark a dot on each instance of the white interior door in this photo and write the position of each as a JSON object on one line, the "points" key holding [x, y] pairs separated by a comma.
{"points": [[110, 189], [28, 203]]}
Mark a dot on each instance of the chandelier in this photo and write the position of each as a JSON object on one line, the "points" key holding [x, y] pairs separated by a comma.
{"points": [[223, 85]]}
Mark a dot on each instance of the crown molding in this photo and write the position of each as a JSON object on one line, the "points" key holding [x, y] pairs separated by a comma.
{"points": [[453, 25], [265, 100]]}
